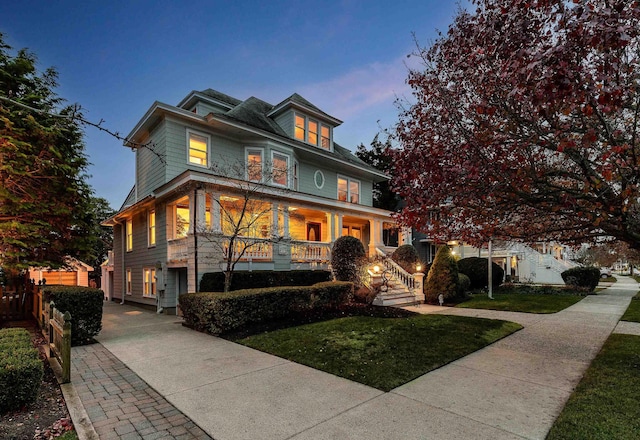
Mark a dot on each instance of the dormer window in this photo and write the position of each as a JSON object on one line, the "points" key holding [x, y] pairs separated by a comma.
{"points": [[312, 132]]}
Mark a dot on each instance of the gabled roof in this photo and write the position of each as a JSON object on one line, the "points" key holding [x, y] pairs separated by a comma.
{"points": [[298, 101], [219, 96], [253, 112]]}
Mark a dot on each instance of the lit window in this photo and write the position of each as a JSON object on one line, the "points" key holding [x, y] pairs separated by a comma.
{"points": [[152, 228], [128, 282], [129, 235], [198, 149], [280, 168], [348, 190], [313, 133], [325, 138], [182, 221], [149, 287], [254, 165], [301, 134]]}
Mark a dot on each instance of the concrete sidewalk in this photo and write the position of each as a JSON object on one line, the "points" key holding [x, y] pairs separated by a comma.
{"points": [[512, 389]]}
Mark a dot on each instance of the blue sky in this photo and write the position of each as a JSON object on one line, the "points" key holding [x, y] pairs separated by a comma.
{"points": [[115, 58]]}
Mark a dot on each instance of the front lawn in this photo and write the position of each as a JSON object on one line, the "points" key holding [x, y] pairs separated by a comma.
{"points": [[383, 353], [633, 311], [515, 302], [605, 403]]}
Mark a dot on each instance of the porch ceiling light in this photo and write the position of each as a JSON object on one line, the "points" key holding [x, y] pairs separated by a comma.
{"points": [[228, 199], [291, 208]]}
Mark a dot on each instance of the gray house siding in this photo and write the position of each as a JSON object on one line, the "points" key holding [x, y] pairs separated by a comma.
{"points": [[286, 122], [150, 168], [118, 282]]}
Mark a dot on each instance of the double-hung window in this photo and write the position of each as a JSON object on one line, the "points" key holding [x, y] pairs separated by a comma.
{"points": [[325, 137], [149, 282], [348, 190], [254, 161], [312, 132], [129, 232], [280, 168], [152, 228], [128, 292], [198, 148], [301, 128]]}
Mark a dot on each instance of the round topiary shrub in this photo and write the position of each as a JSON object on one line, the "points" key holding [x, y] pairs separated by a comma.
{"points": [[464, 284], [348, 260], [476, 269], [442, 277], [407, 257], [587, 277]]}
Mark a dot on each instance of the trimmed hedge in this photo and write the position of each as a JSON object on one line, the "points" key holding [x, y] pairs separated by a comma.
{"points": [[85, 306], [406, 256], [214, 281], [348, 259], [464, 284], [587, 277], [21, 369], [477, 269], [442, 278], [218, 312]]}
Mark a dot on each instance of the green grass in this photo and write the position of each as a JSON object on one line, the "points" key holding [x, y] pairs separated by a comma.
{"points": [[605, 403], [383, 353], [633, 311], [521, 302], [69, 435]]}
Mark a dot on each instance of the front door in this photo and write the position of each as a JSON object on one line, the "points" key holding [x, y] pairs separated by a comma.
{"points": [[313, 232]]}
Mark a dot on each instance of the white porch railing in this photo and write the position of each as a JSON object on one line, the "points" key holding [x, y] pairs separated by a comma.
{"points": [[407, 279], [254, 248], [310, 251], [177, 250]]}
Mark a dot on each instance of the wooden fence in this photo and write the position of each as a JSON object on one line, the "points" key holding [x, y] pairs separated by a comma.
{"points": [[15, 306], [60, 340]]}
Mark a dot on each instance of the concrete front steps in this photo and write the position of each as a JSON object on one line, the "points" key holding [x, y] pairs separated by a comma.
{"points": [[397, 295]]}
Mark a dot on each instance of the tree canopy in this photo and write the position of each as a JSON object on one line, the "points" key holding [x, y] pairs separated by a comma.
{"points": [[43, 194], [525, 124], [378, 156]]}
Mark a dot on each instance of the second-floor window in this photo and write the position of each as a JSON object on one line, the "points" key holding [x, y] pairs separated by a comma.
{"points": [[280, 166], [254, 164], [152, 228], [182, 221], [129, 233], [348, 190], [198, 149]]}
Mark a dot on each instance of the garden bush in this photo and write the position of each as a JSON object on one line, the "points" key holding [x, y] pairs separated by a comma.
{"points": [[407, 257], [442, 278], [587, 277], [476, 269], [85, 306], [464, 284], [348, 260], [21, 369], [218, 312], [214, 281]]}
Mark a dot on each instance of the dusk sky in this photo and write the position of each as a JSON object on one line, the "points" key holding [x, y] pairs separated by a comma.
{"points": [[115, 58]]}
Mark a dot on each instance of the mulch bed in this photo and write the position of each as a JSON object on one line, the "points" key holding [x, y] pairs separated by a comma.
{"points": [[47, 417]]}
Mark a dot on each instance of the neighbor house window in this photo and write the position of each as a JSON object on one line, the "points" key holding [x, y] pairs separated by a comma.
{"points": [[198, 149], [128, 282], [254, 164], [129, 233], [348, 190], [325, 137], [301, 132], [149, 282], [280, 164], [152, 228]]}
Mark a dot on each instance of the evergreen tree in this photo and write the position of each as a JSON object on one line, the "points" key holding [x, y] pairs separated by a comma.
{"points": [[442, 277], [44, 198]]}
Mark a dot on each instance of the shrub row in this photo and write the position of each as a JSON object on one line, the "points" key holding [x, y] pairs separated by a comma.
{"points": [[587, 277], [214, 281], [217, 312], [21, 369], [477, 269], [85, 306]]}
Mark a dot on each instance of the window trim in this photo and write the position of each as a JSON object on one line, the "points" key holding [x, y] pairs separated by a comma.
{"points": [[127, 282], [151, 229], [129, 234], [207, 152], [288, 170], [152, 283], [349, 180], [246, 159]]}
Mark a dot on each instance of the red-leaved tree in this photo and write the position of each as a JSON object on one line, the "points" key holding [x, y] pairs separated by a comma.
{"points": [[525, 124]]}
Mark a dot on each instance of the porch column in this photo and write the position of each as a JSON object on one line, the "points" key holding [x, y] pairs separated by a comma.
{"points": [[406, 235], [372, 238], [274, 226], [331, 226], [380, 237], [215, 212], [285, 221], [201, 209], [192, 212], [339, 233]]}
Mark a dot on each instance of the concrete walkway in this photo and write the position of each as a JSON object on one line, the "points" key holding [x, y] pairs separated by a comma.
{"points": [[513, 389]]}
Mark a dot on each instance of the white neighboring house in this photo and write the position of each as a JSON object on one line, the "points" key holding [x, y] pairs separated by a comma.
{"points": [[541, 263]]}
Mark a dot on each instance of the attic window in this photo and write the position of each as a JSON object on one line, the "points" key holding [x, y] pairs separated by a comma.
{"points": [[312, 132]]}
